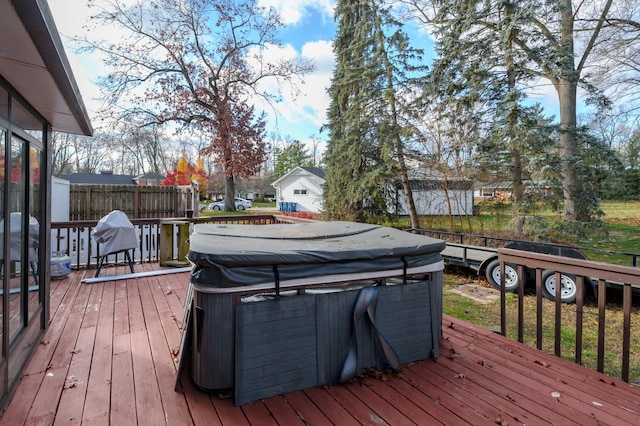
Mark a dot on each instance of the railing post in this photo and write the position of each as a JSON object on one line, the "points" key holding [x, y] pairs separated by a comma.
{"points": [[520, 302], [626, 331], [602, 300], [167, 240], [579, 306], [503, 302], [539, 308], [558, 304]]}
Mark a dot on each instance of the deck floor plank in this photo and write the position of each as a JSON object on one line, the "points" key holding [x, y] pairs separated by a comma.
{"points": [[373, 407], [331, 408], [305, 409], [282, 412], [174, 405], [543, 381], [257, 414], [109, 357], [200, 406], [123, 396], [60, 314], [43, 410], [228, 414], [535, 387], [73, 395], [18, 412], [148, 402], [488, 384], [391, 396], [96, 407]]}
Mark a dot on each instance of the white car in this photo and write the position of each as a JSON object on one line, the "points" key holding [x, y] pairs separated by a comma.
{"points": [[241, 204]]}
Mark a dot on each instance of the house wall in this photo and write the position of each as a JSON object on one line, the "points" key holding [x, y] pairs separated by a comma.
{"points": [[60, 193], [309, 202], [434, 202]]}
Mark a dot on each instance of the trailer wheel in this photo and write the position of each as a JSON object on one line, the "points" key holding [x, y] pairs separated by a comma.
{"points": [[568, 290], [492, 273]]}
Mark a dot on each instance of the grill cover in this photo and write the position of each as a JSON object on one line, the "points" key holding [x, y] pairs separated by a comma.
{"points": [[115, 232], [241, 255]]}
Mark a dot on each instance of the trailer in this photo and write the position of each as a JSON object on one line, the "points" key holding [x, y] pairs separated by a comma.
{"points": [[482, 257]]}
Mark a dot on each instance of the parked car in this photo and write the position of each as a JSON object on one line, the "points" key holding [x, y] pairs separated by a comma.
{"points": [[241, 204]]}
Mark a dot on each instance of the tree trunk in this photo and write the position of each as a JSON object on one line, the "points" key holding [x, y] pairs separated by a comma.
{"points": [[229, 194], [518, 190], [404, 177], [570, 181], [566, 85]]}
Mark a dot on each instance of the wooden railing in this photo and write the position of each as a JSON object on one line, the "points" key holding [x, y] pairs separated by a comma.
{"points": [[627, 278], [162, 240]]}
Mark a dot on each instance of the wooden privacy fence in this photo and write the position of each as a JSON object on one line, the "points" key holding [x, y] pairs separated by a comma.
{"points": [[92, 202]]}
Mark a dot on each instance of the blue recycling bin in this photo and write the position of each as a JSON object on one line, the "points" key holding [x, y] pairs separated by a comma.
{"points": [[287, 207]]}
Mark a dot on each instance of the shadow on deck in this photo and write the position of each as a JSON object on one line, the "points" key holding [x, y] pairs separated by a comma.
{"points": [[110, 353]]}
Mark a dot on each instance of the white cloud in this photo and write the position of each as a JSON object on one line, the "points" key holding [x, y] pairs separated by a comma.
{"points": [[293, 11], [302, 114]]}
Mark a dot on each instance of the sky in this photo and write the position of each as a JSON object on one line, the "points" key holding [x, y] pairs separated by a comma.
{"points": [[308, 33]]}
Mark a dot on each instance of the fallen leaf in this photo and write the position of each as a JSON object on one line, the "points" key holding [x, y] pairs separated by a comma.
{"points": [[415, 384], [70, 382], [75, 351], [542, 363], [168, 292]]}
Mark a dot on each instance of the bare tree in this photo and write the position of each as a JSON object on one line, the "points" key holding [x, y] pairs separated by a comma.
{"points": [[203, 65]]}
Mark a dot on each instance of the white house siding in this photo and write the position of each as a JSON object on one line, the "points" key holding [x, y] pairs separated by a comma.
{"points": [[301, 180], [434, 202]]}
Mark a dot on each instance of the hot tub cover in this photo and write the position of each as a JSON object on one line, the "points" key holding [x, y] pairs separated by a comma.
{"points": [[242, 255]]}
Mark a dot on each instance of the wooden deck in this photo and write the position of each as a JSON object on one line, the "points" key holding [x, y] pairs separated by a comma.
{"points": [[109, 357]]}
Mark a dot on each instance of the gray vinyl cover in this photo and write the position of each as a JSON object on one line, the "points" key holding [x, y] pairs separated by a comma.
{"points": [[115, 233], [241, 255]]}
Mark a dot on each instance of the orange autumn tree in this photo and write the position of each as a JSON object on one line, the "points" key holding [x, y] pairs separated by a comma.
{"points": [[185, 173]]}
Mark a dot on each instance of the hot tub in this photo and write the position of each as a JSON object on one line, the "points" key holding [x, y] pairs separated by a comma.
{"points": [[270, 308]]}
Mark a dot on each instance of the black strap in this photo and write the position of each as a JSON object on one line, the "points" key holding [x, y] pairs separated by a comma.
{"points": [[276, 275], [366, 303], [405, 265]]}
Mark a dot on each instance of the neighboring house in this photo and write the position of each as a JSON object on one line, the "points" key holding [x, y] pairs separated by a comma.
{"points": [[38, 94], [103, 178], [503, 191], [302, 186], [149, 179], [109, 178], [435, 197], [492, 190]]}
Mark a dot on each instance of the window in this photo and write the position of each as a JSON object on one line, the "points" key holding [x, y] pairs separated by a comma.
{"points": [[299, 192]]}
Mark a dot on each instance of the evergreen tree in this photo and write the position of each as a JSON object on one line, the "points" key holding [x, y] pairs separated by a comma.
{"points": [[375, 70], [294, 155], [546, 39]]}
